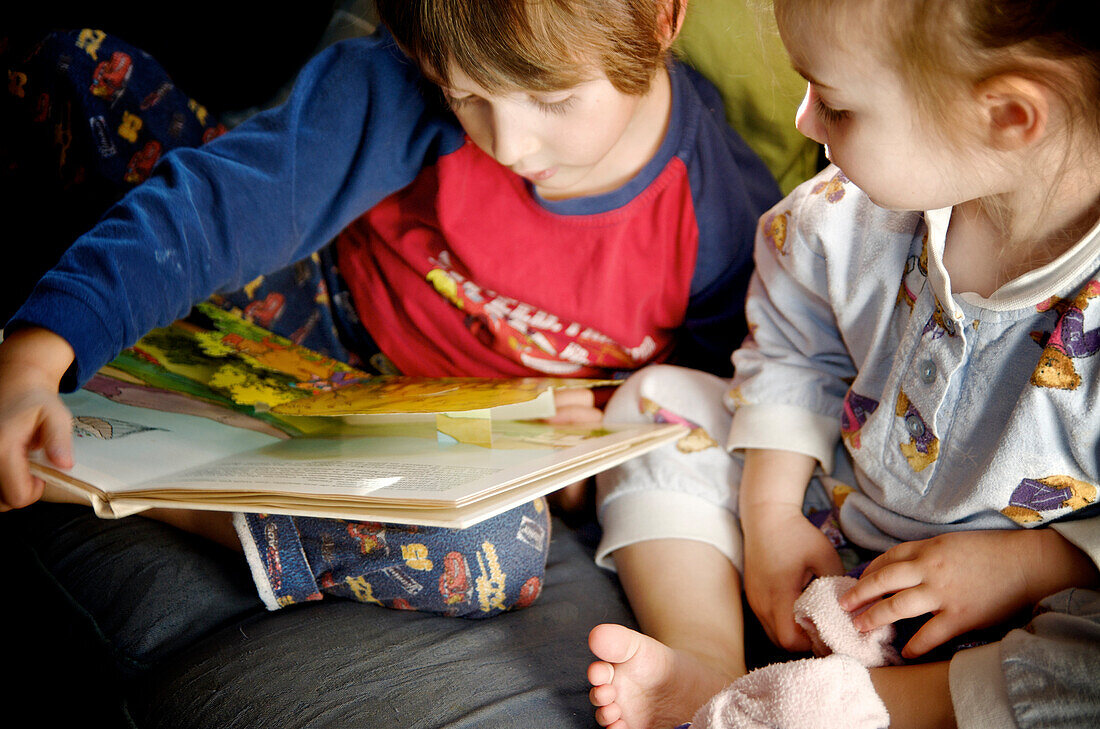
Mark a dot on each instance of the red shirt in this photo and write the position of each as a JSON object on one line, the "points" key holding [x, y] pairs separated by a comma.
{"points": [[465, 272]]}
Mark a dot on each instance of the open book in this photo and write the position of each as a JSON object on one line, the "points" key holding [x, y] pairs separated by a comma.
{"points": [[215, 413]]}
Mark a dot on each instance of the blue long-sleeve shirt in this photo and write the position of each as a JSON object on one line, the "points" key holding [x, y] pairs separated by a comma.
{"points": [[363, 153]]}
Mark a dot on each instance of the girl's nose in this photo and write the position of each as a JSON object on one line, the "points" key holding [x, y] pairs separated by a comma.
{"points": [[807, 120]]}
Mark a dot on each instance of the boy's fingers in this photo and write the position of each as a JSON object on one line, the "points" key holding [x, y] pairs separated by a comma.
{"points": [[904, 552], [38, 486], [18, 488], [769, 629], [57, 437], [790, 635], [53, 432], [876, 564], [578, 414], [581, 396], [10, 481], [761, 610]]}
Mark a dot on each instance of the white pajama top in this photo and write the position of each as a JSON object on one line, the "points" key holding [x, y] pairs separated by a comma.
{"points": [[959, 412]]}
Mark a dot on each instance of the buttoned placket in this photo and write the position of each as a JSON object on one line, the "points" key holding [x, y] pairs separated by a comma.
{"points": [[936, 349]]}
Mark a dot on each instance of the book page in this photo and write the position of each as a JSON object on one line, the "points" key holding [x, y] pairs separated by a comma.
{"points": [[464, 515], [389, 466], [223, 358], [118, 446], [128, 451]]}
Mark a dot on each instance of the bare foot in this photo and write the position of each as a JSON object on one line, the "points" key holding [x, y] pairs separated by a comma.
{"points": [[641, 683]]}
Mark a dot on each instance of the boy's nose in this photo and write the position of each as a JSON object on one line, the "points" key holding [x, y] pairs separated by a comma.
{"points": [[514, 138]]}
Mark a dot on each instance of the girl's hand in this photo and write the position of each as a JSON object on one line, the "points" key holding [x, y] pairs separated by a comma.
{"points": [[32, 415], [967, 580], [783, 552]]}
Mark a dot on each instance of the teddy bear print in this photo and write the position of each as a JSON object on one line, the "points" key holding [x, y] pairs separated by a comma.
{"points": [[937, 325], [1032, 497], [839, 493], [914, 276], [697, 438], [735, 398], [1068, 341], [923, 446], [775, 230], [857, 408], [833, 188]]}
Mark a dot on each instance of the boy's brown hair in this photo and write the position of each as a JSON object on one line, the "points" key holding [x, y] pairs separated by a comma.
{"points": [[541, 45]]}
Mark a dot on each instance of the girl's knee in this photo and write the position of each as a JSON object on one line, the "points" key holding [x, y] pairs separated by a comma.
{"points": [[625, 404], [668, 393]]}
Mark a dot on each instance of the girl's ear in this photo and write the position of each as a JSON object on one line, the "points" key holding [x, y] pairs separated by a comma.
{"points": [[670, 18], [1015, 110]]}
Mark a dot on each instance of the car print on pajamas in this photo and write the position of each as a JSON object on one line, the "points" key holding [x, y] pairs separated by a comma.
{"points": [[142, 163], [454, 583], [110, 76]]}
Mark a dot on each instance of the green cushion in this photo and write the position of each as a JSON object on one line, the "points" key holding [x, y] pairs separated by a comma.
{"points": [[735, 44]]}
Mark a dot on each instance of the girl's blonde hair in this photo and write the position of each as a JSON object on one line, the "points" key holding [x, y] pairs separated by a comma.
{"points": [[944, 47], [543, 45]]}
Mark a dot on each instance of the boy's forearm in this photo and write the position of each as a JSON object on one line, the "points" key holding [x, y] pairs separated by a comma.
{"points": [[774, 479], [38, 350]]}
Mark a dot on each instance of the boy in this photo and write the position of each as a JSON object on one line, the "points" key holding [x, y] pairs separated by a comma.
{"points": [[580, 209]]}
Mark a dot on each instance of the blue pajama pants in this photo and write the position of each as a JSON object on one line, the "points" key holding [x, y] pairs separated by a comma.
{"points": [[477, 572]]}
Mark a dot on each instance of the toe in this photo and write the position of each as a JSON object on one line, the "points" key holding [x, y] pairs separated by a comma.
{"points": [[607, 715], [614, 643], [600, 672], [602, 695]]}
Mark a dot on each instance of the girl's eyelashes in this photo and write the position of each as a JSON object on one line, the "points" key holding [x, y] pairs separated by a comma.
{"points": [[828, 114]]}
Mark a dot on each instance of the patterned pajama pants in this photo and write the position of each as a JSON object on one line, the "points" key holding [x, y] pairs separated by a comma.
{"points": [[477, 572]]}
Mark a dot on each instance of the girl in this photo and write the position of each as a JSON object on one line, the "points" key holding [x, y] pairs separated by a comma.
{"points": [[950, 350]]}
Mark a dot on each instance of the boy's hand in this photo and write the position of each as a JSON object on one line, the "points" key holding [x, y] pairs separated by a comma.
{"points": [[575, 405], [967, 580], [32, 415], [783, 552]]}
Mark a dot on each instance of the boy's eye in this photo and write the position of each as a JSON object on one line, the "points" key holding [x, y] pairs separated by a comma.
{"points": [[456, 102], [554, 107], [828, 114]]}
